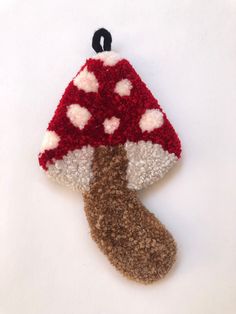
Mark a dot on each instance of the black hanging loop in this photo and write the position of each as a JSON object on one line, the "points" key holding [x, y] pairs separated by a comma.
{"points": [[96, 44]]}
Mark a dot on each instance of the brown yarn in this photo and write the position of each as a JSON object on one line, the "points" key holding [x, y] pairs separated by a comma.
{"points": [[134, 240]]}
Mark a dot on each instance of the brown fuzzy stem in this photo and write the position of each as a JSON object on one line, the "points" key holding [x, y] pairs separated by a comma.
{"points": [[134, 240]]}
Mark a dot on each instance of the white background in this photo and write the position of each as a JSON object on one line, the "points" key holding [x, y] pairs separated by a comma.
{"points": [[186, 53]]}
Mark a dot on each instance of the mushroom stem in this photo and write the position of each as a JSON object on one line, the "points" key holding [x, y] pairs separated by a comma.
{"points": [[134, 240]]}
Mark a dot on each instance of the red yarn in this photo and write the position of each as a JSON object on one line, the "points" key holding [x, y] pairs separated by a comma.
{"points": [[106, 104]]}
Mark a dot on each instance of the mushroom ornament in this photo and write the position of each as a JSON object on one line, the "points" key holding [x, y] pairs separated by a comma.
{"points": [[108, 139]]}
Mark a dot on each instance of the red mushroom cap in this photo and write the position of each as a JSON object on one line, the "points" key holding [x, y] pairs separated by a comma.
{"points": [[107, 104]]}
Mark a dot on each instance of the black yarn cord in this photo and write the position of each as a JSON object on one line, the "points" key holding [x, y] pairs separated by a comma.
{"points": [[96, 42]]}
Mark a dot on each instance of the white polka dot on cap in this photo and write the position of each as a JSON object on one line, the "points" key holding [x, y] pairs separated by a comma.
{"points": [[78, 116], [151, 119]]}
